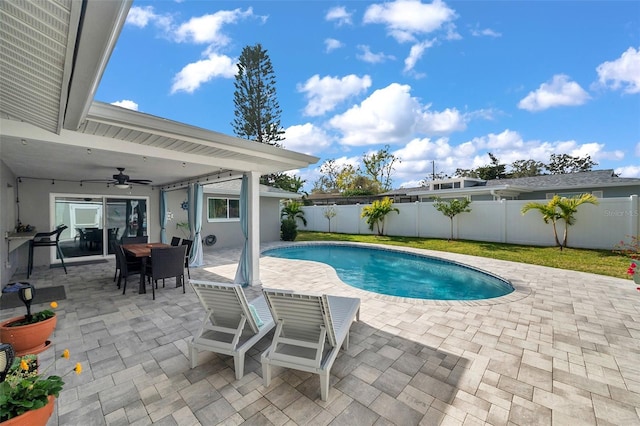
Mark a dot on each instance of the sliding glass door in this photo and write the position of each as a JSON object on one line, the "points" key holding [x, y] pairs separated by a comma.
{"points": [[95, 223]]}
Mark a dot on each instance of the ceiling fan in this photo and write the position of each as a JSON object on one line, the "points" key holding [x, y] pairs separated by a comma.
{"points": [[122, 181]]}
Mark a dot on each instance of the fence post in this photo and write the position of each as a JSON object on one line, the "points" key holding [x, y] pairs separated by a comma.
{"points": [[633, 215]]}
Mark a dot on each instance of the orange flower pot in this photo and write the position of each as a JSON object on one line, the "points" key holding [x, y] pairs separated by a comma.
{"points": [[28, 339], [38, 417]]}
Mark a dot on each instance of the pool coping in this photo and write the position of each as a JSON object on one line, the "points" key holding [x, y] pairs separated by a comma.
{"points": [[520, 289]]}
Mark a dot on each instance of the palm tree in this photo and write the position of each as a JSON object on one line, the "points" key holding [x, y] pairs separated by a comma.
{"points": [[293, 210], [376, 212], [568, 208], [560, 208]]}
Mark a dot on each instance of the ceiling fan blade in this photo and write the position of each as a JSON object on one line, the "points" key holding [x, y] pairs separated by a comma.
{"points": [[140, 181]]}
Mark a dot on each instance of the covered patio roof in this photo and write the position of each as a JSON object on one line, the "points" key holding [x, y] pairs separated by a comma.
{"points": [[53, 56]]}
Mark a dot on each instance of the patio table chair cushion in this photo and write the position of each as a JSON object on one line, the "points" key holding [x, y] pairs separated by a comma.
{"points": [[310, 329], [228, 328]]}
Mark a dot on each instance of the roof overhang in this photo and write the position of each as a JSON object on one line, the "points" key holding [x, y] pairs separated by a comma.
{"points": [[496, 191]]}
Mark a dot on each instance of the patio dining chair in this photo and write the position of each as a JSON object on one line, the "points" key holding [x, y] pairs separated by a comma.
{"points": [[189, 244], [135, 240], [175, 241], [231, 325], [166, 262], [310, 329], [46, 239], [127, 267]]}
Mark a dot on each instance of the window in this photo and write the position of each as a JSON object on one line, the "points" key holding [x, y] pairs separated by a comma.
{"points": [[223, 209]]}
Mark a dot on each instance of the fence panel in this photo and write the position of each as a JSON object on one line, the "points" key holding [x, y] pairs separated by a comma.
{"points": [[600, 226]]}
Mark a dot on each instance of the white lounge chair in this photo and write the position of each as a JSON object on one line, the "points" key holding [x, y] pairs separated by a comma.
{"points": [[229, 327], [310, 329]]}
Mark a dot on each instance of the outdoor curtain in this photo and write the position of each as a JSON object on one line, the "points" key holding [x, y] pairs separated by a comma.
{"points": [[194, 198], [163, 216], [242, 273]]}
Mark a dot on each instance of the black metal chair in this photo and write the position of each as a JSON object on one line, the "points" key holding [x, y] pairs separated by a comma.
{"points": [[175, 241], [46, 239], [167, 262], [189, 244], [114, 248], [127, 267]]}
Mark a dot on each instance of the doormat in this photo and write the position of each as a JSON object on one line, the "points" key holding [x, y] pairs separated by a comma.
{"points": [[43, 295]]}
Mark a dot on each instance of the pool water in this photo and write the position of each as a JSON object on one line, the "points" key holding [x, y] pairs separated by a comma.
{"points": [[402, 274]]}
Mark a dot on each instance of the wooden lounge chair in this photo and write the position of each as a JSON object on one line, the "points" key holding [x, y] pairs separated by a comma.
{"points": [[310, 329], [229, 327]]}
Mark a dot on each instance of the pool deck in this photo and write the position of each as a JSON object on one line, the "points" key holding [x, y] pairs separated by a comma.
{"points": [[564, 348]]}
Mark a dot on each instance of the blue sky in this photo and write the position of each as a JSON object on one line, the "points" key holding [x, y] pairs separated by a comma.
{"points": [[441, 81]]}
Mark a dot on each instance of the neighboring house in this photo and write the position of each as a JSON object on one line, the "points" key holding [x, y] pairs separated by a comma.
{"points": [[221, 214], [601, 183]]}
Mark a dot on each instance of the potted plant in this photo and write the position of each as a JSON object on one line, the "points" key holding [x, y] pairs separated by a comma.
{"points": [[27, 396], [29, 334]]}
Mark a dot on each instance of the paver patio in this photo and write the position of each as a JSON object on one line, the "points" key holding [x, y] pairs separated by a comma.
{"points": [[563, 349]]}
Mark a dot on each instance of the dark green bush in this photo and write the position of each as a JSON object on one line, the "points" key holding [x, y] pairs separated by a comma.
{"points": [[288, 230]]}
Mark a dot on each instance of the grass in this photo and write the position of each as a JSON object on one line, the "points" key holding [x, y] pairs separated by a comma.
{"points": [[602, 262]]}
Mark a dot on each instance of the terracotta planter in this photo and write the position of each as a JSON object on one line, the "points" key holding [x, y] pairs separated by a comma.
{"points": [[38, 417], [28, 339]]}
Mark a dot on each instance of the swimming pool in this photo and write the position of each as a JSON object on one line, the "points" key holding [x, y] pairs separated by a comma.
{"points": [[401, 274]]}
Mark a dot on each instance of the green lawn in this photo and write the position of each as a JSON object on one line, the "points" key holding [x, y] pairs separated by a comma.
{"points": [[602, 262]]}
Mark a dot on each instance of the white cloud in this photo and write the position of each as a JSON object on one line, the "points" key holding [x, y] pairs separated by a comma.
{"points": [[416, 52], [140, 16], [628, 171], [208, 28], [623, 73], [370, 57], [306, 138], [325, 93], [125, 103], [197, 73], [405, 19], [558, 92], [391, 115], [486, 32], [339, 15], [331, 44]]}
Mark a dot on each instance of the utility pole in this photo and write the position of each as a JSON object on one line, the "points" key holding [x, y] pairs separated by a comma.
{"points": [[433, 170]]}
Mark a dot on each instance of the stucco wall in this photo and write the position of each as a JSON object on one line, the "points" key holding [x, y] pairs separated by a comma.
{"points": [[35, 209], [8, 261], [228, 233]]}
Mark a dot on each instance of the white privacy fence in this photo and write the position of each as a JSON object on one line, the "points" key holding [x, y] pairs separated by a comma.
{"points": [[600, 226]]}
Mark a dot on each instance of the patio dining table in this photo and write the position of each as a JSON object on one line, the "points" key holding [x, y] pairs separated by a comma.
{"points": [[142, 251]]}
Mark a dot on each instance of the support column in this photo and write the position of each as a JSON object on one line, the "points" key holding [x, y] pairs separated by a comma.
{"points": [[254, 227]]}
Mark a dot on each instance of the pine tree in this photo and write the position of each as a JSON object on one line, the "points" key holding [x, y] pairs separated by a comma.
{"points": [[257, 112]]}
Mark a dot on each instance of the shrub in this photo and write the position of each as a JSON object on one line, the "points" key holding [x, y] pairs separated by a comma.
{"points": [[288, 230]]}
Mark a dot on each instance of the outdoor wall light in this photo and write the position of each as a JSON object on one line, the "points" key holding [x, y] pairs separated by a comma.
{"points": [[6, 359], [26, 293]]}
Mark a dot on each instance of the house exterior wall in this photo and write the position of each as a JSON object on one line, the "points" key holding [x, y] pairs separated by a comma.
{"points": [[228, 233], [8, 261], [35, 208], [597, 226]]}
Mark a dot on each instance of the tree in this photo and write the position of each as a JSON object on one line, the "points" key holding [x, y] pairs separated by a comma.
{"points": [[526, 168], [560, 208], [451, 208], [379, 166], [329, 212], [257, 112], [328, 182], [493, 170], [293, 210], [376, 213], [565, 163]]}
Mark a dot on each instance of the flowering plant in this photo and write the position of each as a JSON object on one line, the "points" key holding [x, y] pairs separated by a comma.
{"points": [[24, 389]]}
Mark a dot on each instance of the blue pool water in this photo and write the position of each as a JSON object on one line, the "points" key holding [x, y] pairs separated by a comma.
{"points": [[400, 274]]}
